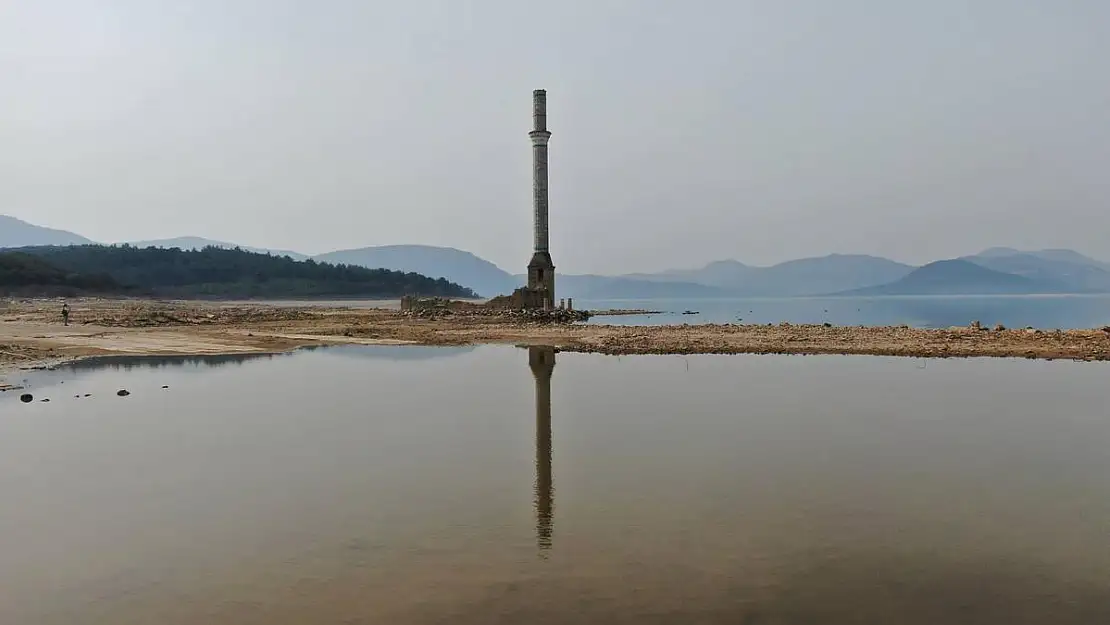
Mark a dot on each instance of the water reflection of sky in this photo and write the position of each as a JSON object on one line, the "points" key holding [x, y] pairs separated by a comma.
{"points": [[49, 383], [492, 484], [201, 362]]}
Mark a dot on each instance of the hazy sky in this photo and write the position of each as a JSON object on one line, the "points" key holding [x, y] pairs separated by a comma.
{"points": [[683, 131]]}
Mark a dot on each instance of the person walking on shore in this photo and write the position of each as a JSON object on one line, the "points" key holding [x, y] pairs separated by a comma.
{"points": [[65, 313]]}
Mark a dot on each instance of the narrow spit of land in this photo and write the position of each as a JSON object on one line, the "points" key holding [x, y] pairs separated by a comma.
{"points": [[31, 333]]}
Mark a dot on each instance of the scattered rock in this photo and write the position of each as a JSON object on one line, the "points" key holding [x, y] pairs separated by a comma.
{"points": [[123, 392], [615, 312], [26, 398], [556, 315]]}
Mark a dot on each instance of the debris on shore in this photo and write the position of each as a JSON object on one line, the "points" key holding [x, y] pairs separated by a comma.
{"points": [[495, 309], [555, 315], [619, 312], [30, 336]]}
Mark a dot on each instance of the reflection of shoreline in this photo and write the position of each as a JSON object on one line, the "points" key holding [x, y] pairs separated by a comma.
{"points": [[47, 375], [541, 360], [127, 363], [369, 352]]}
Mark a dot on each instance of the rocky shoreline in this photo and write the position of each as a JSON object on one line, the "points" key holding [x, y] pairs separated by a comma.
{"points": [[31, 333]]}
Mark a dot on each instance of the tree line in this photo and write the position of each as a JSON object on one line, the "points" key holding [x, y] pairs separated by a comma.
{"points": [[210, 272]]}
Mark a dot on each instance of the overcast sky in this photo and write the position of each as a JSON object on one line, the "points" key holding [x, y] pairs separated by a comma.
{"points": [[683, 131]]}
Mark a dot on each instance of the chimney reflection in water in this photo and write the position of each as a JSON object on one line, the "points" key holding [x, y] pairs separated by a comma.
{"points": [[542, 362]]}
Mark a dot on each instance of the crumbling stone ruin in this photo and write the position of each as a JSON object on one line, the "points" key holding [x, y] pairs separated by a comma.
{"points": [[506, 307]]}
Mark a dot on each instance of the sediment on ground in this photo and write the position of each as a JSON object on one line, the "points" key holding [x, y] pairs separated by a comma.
{"points": [[31, 333]]}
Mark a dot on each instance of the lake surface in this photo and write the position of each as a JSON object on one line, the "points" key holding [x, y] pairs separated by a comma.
{"points": [[504, 485], [1014, 311]]}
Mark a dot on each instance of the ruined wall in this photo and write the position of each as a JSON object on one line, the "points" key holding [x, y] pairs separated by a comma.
{"points": [[522, 298], [410, 303]]}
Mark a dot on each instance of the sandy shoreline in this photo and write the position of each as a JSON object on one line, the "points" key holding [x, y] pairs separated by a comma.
{"points": [[31, 334]]}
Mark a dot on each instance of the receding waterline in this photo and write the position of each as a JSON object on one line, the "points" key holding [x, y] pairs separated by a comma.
{"points": [[417, 484]]}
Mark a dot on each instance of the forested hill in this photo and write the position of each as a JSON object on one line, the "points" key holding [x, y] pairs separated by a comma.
{"points": [[22, 273], [209, 272]]}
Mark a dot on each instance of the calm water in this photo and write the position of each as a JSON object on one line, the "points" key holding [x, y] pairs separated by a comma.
{"points": [[1018, 311], [502, 485]]}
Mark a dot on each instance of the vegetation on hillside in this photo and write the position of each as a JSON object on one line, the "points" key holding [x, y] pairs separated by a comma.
{"points": [[210, 272], [23, 273]]}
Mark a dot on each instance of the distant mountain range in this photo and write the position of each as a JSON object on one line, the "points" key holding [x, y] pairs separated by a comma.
{"points": [[993, 271], [489, 279], [805, 276], [958, 277], [1057, 255], [17, 233], [439, 262], [1062, 270]]}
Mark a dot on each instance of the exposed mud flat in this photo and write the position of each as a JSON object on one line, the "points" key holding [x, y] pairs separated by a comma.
{"points": [[32, 334]]}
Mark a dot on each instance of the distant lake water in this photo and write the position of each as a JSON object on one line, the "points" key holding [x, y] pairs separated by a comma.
{"points": [[1017, 311], [419, 485]]}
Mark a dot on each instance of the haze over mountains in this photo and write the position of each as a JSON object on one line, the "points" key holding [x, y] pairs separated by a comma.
{"points": [[805, 276], [18, 233], [477, 273], [489, 279], [993, 271], [958, 277]]}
